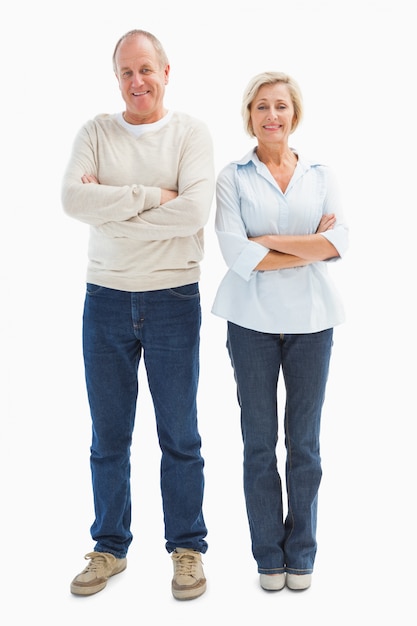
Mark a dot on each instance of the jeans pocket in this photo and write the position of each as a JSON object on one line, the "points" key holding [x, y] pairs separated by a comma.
{"points": [[186, 291], [92, 289]]}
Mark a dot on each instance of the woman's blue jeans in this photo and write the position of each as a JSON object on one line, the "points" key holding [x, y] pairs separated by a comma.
{"points": [[279, 544], [164, 326]]}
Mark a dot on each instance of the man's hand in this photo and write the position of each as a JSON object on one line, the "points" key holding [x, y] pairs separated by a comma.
{"points": [[89, 178], [167, 195]]}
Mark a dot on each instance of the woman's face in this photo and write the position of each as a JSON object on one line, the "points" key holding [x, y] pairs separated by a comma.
{"points": [[272, 114]]}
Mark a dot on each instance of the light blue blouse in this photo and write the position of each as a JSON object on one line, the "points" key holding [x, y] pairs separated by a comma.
{"points": [[249, 204]]}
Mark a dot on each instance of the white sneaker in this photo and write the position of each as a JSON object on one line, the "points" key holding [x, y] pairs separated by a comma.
{"points": [[272, 582], [298, 582]]}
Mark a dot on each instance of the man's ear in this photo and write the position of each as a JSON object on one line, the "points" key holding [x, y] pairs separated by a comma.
{"points": [[166, 72]]}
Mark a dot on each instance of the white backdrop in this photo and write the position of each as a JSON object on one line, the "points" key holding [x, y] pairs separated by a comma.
{"points": [[354, 61]]}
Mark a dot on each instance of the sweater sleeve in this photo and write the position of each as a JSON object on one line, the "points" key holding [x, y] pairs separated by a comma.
{"points": [[188, 213], [99, 204]]}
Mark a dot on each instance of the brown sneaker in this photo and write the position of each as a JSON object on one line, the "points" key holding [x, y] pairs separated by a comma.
{"points": [[188, 581], [94, 577]]}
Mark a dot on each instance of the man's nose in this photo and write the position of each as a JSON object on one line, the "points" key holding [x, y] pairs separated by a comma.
{"points": [[137, 78]]}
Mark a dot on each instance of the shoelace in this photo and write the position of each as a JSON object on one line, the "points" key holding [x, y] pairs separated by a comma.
{"points": [[97, 561], [185, 563]]}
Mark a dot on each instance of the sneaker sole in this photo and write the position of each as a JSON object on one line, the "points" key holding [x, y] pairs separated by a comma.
{"points": [[278, 588], [298, 585], [189, 593], [79, 590], [89, 590]]}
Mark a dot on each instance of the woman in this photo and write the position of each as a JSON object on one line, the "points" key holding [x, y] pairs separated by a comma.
{"points": [[279, 223]]}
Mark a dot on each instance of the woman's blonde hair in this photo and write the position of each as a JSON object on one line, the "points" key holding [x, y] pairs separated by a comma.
{"points": [[270, 78]]}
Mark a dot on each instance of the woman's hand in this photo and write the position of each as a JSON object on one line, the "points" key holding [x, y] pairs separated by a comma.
{"points": [[307, 247], [326, 223]]}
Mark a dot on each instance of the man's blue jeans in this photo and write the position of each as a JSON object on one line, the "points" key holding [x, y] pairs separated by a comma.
{"points": [[280, 545], [164, 326]]}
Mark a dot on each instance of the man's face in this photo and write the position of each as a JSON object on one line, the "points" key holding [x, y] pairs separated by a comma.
{"points": [[141, 80]]}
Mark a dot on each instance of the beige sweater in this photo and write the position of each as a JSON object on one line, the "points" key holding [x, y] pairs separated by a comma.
{"points": [[135, 243]]}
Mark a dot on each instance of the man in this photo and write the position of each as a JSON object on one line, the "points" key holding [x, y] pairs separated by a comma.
{"points": [[143, 180]]}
